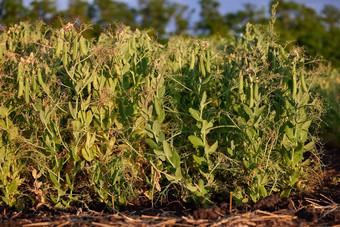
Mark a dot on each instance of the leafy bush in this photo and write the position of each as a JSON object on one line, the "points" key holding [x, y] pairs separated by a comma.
{"points": [[107, 120], [328, 86]]}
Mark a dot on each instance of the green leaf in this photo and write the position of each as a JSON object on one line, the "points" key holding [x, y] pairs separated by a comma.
{"points": [[12, 187], [158, 108], [248, 111], [151, 143], [176, 160], [68, 181], [191, 187], [201, 186], [87, 154], [195, 114], [160, 154], [178, 174], [156, 128], [3, 111], [213, 148], [206, 79], [290, 133], [161, 91], [285, 193], [167, 152], [204, 98], [198, 160], [54, 180], [207, 126], [263, 191], [196, 142], [89, 117], [259, 110], [309, 146]]}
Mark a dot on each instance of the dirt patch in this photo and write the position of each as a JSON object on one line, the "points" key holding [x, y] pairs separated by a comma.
{"points": [[318, 208]]}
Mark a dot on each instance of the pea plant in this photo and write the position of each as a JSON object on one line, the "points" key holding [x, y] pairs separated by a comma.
{"points": [[121, 116]]}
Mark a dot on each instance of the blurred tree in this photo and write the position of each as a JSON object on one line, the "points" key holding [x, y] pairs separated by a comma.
{"points": [[157, 14], [108, 11], [212, 22], [251, 14], [182, 22], [43, 9], [302, 24], [11, 11], [331, 16], [78, 10]]}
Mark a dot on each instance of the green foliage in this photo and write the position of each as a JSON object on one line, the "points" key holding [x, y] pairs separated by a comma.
{"points": [[122, 116], [329, 88]]}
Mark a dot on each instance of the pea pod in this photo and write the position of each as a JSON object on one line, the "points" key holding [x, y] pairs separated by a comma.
{"points": [[2, 49], [208, 62], [75, 49], [294, 88], [251, 99], [34, 81], [40, 80], [202, 69], [27, 92], [83, 47], [20, 71], [240, 84], [134, 43], [274, 61], [10, 45], [117, 69], [303, 83], [256, 91], [65, 61], [59, 47], [89, 88], [283, 52], [21, 87], [192, 63]]}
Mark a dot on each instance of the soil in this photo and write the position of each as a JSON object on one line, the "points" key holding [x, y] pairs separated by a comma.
{"points": [[320, 207]]}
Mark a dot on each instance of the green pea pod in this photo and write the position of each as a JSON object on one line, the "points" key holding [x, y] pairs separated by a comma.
{"points": [[27, 92], [274, 61], [83, 47], [256, 91], [59, 47], [75, 49], [240, 84], [10, 45], [283, 52], [117, 69], [202, 69], [192, 63], [65, 61], [89, 88], [20, 71], [294, 88], [303, 83], [251, 100], [34, 81], [208, 62], [2, 49], [21, 87], [40, 80], [134, 43]]}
